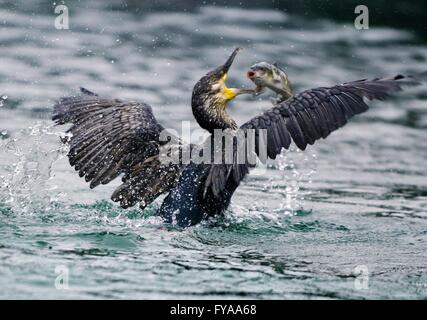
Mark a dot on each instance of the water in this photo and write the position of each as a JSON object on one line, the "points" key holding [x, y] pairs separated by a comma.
{"points": [[345, 219]]}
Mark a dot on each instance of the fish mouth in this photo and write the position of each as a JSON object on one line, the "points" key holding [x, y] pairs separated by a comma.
{"points": [[259, 83], [251, 74], [255, 78]]}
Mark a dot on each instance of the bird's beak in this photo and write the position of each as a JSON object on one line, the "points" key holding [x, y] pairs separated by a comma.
{"points": [[238, 91], [231, 93], [230, 60]]}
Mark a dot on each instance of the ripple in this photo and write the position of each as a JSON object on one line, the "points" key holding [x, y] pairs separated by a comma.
{"points": [[297, 231]]}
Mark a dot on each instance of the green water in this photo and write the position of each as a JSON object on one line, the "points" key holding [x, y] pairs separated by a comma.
{"points": [[303, 229]]}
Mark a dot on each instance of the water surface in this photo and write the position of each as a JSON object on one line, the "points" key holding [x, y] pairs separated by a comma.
{"points": [[356, 201]]}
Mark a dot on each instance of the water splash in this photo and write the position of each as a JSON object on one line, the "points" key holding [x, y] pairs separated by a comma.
{"points": [[3, 98], [27, 159], [28, 183], [297, 168]]}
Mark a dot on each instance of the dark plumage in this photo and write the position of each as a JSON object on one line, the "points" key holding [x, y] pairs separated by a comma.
{"points": [[306, 117], [111, 137]]}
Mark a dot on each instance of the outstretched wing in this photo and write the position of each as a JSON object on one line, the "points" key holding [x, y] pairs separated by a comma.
{"points": [[110, 137], [305, 118]]}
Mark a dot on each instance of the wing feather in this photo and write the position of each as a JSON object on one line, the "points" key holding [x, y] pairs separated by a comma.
{"points": [[306, 118], [111, 137]]}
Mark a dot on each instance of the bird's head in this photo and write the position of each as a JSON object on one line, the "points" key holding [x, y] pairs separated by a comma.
{"points": [[211, 94]]}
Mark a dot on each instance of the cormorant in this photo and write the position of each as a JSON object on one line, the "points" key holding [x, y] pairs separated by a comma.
{"points": [[110, 137]]}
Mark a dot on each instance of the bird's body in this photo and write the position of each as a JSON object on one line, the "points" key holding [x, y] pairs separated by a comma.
{"points": [[112, 137], [186, 204]]}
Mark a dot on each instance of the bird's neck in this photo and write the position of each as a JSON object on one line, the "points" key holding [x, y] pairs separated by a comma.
{"points": [[226, 121], [211, 117]]}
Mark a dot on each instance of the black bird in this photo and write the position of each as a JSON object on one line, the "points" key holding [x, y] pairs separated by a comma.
{"points": [[112, 137]]}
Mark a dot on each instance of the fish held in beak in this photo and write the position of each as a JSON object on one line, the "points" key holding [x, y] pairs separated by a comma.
{"points": [[265, 75]]}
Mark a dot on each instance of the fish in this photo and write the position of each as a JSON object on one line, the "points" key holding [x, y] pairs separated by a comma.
{"points": [[270, 76]]}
